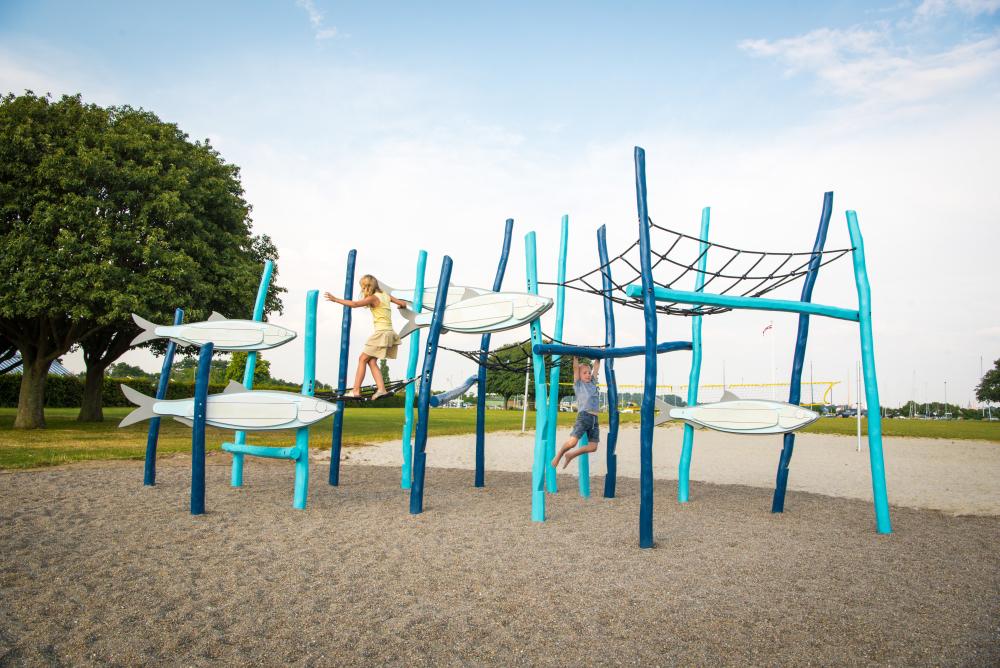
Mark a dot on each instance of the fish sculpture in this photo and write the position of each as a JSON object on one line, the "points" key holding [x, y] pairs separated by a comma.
{"points": [[225, 334], [455, 294], [237, 408], [482, 314], [740, 416]]}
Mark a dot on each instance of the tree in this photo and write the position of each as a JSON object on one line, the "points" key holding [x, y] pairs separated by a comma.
{"points": [[237, 367], [988, 389], [106, 212], [510, 383], [123, 370], [383, 368]]}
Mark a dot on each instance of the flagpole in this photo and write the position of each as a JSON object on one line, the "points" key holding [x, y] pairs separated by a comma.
{"points": [[770, 327]]}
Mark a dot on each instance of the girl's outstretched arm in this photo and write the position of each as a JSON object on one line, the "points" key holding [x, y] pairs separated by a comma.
{"points": [[398, 302], [353, 303]]}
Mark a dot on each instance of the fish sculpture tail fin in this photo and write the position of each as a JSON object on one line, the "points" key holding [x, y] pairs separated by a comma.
{"points": [[662, 412], [148, 332], [411, 322], [144, 403]]}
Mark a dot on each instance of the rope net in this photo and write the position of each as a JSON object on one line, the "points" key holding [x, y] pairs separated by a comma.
{"points": [[728, 270], [513, 357]]}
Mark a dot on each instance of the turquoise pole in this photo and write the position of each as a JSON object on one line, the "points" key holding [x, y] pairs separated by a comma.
{"points": [[538, 364], [684, 469], [882, 523], [553, 408], [753, 303], [248, 371], [406, 478], [308, 389]]}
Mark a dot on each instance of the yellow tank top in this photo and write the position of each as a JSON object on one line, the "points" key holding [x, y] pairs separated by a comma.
{"points": [[381, 314]]}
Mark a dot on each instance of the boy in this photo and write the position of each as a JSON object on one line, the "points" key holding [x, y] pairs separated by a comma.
{"points": [[585, 387]]}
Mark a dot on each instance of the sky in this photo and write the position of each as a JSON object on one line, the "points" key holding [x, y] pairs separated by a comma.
{"points": [[394, 127]]}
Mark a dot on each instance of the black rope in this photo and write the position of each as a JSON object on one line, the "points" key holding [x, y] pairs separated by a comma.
{"points": [[747, 273]]}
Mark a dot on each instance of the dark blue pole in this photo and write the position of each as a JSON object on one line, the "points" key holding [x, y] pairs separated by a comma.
{"points": [[649, 381], [345, 343], [198, 429], [484, 345], [795, 385], [611, 476], [424, 398], [161, 393]]}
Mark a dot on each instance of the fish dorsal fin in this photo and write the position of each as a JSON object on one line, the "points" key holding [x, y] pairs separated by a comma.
{"points": [[216, 316], [234, 388], [729, 396]]}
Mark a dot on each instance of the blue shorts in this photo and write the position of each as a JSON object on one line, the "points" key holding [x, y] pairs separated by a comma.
{"points": [[586, 423]]}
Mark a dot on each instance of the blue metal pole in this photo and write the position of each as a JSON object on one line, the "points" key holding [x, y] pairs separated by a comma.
{"points": [[649, 381], [607, 353], [538, 364], [248, 371], [684, 468], [149, 477], [308, 389], [345, 344], [484, 345], [611, 477], [795, 385], [426, 376], [198, 429], [553, 405], [406, 477], [882, 523]]}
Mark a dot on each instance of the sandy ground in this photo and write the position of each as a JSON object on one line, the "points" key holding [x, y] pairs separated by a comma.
{"points": [[958, 477], [99, 570]]}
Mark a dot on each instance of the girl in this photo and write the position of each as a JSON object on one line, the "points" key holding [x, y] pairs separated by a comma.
{"points": [[383, 342]]}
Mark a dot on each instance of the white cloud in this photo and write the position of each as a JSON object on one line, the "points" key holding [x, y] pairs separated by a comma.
{"points": [[862, 65], [316, 17], [933, 8]]}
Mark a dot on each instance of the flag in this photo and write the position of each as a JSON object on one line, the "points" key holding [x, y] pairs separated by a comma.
{"points": [[769, 326]]}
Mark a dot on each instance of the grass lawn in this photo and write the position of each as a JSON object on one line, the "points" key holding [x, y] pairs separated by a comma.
{"points": [[66, 440]]}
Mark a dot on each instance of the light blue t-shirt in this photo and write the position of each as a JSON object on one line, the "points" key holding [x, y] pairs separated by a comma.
{"points": [[586, 395]]}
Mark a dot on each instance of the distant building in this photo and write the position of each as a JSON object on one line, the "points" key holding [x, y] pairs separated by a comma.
{"points": [[13, 365]]}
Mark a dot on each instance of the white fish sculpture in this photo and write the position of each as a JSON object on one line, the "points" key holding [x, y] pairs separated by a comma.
{"points": [[740, 416], [455, 294], [490, 312], [224, 333], [237, 408]]}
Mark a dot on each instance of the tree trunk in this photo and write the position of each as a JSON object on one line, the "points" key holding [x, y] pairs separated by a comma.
{"points": [[92, 406], [31, 400]]}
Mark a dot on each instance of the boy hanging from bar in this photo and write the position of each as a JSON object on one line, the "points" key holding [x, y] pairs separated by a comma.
{"points": [[585, 387]]}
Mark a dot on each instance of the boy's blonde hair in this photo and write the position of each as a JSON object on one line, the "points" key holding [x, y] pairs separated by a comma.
{"points": [[369, 285]]}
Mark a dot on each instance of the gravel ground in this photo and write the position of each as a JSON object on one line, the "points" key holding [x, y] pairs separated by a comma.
{"points": [[98, 570]]}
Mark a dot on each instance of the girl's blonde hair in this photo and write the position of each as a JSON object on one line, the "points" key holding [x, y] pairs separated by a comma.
{"points": [[369, 285]]}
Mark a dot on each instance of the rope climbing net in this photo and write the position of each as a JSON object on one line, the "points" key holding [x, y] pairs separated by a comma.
{"points": [[729, 270], [512, 357]]}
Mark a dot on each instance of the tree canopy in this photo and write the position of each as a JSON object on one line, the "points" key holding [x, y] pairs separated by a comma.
{"points": [[105, 212], [989, 387], [509, 383]]}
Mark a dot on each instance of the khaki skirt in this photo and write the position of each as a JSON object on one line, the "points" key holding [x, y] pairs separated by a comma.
{"points": [[382, 344]]}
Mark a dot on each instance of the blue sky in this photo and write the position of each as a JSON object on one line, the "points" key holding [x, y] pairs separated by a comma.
{"points": [[393, 126]]}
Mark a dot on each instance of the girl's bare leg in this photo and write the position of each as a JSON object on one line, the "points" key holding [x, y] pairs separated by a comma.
{"points": [[359, 377], [576, 452], [568, 445], [376, 374]]}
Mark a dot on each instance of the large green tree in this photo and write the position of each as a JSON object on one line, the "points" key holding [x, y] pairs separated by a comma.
{"points": [[989, 387], [105, 212]]}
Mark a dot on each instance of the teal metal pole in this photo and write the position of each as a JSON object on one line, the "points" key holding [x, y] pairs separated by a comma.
{"points": [[248, 371], [553, 408], [684, 469], [538, 364], [406, 477], [308, 389], [752, 303], [882, 523]]}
